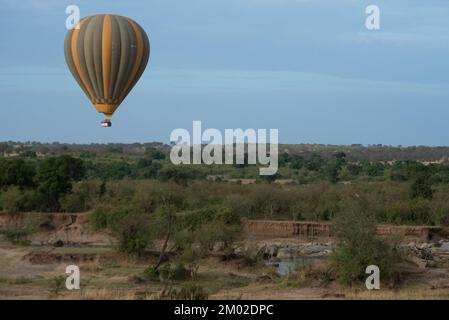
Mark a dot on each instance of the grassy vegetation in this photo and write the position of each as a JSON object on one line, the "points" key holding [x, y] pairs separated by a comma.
{"points": [[315, 187], [358, 247], [187, 212]]}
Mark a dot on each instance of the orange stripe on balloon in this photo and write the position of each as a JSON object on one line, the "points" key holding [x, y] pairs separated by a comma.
{"points": [[76, 61], [106, 51]]}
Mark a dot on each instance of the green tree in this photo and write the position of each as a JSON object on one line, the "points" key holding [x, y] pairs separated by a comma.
{"points": [[16, 172], [421, 187], [155, 154], [331, 170], [55, 177]]}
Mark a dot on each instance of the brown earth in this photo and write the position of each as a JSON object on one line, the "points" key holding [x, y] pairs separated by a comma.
{"points": [[73, 229], [25, 271], [300, 229]]}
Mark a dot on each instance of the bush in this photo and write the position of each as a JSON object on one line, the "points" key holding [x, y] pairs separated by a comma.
{"points": [[106, 218], [421, 187], [16, 235], [180, 174], [358, 247], [151, 273], [188, 291], [179, 271], [15, 200], [168, 272], [99, 219], [322, 272], [11, 200], [73, 202], [200, 230], [196, 218], [56, 284], [134, 234], [440, 214]]}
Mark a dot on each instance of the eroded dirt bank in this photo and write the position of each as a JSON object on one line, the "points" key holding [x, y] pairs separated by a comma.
{"points": [[66, 228], [76, 229], [300, 229]]}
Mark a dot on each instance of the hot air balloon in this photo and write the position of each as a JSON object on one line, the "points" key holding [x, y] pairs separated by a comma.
{"points": [[106, 55]]}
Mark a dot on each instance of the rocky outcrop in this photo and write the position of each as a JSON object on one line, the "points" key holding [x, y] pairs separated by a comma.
{"points": [[276, 252]]}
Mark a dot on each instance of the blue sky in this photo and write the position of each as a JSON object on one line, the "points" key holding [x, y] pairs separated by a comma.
{"points": [[307, 67]]}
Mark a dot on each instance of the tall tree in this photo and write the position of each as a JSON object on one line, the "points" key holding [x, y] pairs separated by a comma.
{"points": [[55, 177]]}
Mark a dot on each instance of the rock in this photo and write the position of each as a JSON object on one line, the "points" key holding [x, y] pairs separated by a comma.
{"points": [[422, 246], [265, 278], [58, 243], [444, 248], [285, 253], [262, 252], [314, 249], [425, 254], [136, 280], [238, 250], [420, 263], [219, 246], [272, 250]]}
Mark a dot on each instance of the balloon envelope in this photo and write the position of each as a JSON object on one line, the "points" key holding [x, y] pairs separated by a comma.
{"points": [[106, 55]]}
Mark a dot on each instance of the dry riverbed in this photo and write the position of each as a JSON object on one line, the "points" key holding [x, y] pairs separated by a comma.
{"points": [[263, 266], [26, 272]]}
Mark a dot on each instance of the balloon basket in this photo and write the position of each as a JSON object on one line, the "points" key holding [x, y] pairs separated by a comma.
{"points": [[106, 123]]}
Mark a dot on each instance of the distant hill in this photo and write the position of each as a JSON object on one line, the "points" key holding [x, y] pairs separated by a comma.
{"points": [[372, 152], [353, 152]]}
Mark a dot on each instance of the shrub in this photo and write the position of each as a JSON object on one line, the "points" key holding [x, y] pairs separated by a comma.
{"points": [[32, 201], [134, 234], [250, 256], [168, 272], [11, 200], [196, 218], [106, 218], [188, 291], [151, 273], [56, 284], [15, 200], [200, 230], [16, 235], [420, 212], [440, 214], [323, 272], [99, 219], [421, 187], [358, 247], [73, 202], [179, 271], [238, 204], [192, 291]]}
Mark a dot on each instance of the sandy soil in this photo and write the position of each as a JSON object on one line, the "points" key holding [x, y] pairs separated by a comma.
{"points": [[26, 272]]}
